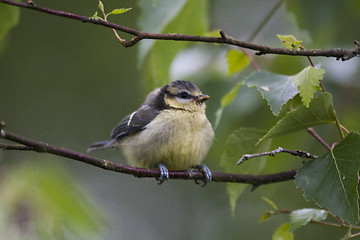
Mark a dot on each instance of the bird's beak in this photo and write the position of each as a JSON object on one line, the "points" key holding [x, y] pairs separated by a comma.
{"points": [[201, 98]]}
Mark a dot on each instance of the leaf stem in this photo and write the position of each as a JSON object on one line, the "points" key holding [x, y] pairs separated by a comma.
{"points": [[338, 125], [317, 137]]}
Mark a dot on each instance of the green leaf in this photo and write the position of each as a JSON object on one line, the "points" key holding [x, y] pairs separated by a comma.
{"points": [[237, 61], [226, 100], [265, 217], [320, 111], [283, 233], [275, 88], [307, 82], [192, 19], [155, 18], [118, 11], [9, 17], [289, 41], [51, 196], [302, 217], [332, 179], [97, 16], [271, 203], [240, 142], [213, 33]]}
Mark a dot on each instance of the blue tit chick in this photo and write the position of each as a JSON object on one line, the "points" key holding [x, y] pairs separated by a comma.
{"points": [[169, 131]]}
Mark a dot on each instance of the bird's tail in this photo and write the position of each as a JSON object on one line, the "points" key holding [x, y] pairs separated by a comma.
{"points": [[100, 145]]}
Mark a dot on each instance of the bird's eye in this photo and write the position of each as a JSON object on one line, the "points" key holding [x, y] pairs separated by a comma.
{"points": [[184, 95]]}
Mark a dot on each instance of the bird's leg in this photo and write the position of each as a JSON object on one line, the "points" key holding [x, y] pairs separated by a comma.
{"points": [[207, 174], [164, 173]]}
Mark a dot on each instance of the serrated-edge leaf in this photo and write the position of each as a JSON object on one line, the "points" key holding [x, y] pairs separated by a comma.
{"points": [[276, 89], [307, 82], [320, 111], [303, 216], [283, 233], [332, 179], [237, 61], [289, 41]]}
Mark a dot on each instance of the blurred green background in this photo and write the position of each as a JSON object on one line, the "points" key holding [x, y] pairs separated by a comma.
{"points": [[69, 83]]}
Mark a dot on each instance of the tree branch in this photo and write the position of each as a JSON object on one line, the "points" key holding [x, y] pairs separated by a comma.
{"points": [[298, 153], [41, 147], [224, 39]]}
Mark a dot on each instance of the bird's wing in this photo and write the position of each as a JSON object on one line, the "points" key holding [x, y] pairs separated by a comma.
{"points": [[133, 123]]}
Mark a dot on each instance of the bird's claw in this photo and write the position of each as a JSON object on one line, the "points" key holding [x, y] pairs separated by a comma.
{"points": [[207, 175], [164, 173]]}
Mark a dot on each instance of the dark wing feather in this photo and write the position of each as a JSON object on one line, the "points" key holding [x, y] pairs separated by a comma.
{"points": [[135, 122]]}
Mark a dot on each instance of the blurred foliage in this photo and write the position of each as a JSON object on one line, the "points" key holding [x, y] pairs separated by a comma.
{"points": [[192, 19], [241, 142], [9, 17], [39, 201], [71, 91]]}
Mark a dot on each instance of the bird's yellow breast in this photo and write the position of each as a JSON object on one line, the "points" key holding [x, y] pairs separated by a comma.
{"points": [[178, 139]]}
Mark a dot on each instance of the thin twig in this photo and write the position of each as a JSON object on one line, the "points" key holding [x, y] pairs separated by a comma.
{"points": [[298, 153], [41, 147], [224, 39], [355, 234], [5, 146], [317, 137]]}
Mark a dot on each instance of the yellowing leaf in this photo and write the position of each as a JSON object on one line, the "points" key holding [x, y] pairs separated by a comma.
{"points": [[289, 41], [119, 11], [213, 33], [265, 217], [271, 203], [9, 17], [307, 82], [283, 233], [237, 61]]}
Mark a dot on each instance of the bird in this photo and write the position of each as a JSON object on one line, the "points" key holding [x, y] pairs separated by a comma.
{"points": [[169, 131]]}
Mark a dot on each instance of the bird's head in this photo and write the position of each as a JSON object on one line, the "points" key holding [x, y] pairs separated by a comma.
{"points": [[184, 95]]}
